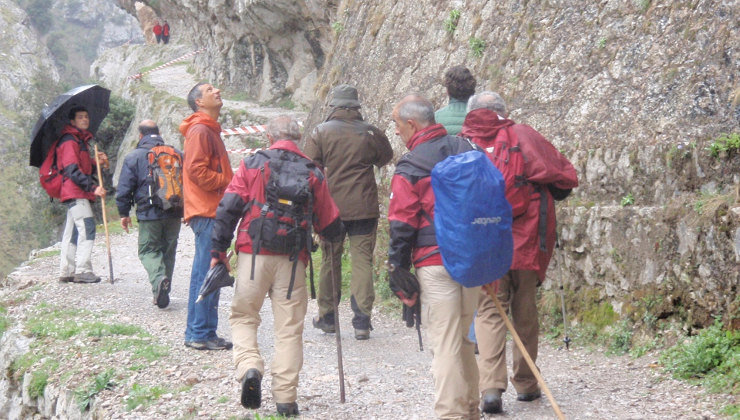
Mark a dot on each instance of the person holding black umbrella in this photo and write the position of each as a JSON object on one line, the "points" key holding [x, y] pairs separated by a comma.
{"points": [[79, 190]]}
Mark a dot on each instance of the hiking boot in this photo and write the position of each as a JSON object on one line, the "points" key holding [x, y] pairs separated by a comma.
{"points": [[88, 277], [325, 324], [529, 396], [66, 279], [162, 299], [362, 334], [287, 409], [491, 401], [217, 343], [252, 389]]}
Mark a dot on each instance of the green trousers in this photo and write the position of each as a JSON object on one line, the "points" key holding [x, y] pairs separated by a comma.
{"points": [[157, 248], [361, 245]]}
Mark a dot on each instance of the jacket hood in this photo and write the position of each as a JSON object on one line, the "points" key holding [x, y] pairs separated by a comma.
{"points": [[199, 118], [344, 114], [80, 134], [149, 141], [483, 124]]}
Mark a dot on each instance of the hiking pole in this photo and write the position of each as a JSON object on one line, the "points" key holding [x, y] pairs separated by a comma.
{"points": [[105, 219], [566, 340], [335, 301], [490, 289]]}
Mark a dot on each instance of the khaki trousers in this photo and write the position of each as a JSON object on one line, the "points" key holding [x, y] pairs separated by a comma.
{"points": [[517, 294], [447, 311], [78, 239], [271, 277], [361, 248]]}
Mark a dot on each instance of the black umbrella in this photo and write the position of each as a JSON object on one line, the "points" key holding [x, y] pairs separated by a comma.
{"points": [[216, 278], [55, 116]]}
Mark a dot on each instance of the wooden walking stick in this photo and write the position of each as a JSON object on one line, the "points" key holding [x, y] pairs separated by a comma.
{"points": [[335, 301], [491, 290], [105, 219]]}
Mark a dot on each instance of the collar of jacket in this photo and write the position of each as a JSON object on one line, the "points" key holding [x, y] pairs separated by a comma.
{"points": [[288, 145], [199, 117], [344, 114], [426, 134], [149, 141], [483, 124], [80, 134]]}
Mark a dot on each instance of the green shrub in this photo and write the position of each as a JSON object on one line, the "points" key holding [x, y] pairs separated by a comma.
{"points": [[477, 46], [712, 357], [724, 145], [627, 200], [84, 395], [451, 21]]}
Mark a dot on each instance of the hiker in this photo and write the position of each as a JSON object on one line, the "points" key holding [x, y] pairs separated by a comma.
{"points": [[347, 147], [447, 306], [460, 85], [206, 173], [158, 228], [166, 33], [78, 192], [265, 268], [157, 29], [487, 124]]}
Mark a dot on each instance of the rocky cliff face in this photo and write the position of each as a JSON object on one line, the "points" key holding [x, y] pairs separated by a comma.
{"points": [[633, 92], [267, 49]]}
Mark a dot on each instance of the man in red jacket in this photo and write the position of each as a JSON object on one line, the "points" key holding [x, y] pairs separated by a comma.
{"points": [[157, 29], [78, 191], [447, 306], [533, 228], [263, 269]]}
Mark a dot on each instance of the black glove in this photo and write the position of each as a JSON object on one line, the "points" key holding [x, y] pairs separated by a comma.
{"points": [[404, 285]]}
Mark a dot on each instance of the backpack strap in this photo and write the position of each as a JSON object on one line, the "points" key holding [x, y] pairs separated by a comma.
{"points": [[256, 243], [542, 226]]}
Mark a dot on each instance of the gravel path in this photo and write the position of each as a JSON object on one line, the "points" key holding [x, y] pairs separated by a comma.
{"points": [[386, 376]]}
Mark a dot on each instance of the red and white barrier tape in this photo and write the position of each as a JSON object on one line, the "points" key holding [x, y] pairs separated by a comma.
{"points": [[246, 151], [138, 76], [247, 129]]}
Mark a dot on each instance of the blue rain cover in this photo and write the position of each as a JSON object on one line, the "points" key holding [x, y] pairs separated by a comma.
{"points": [[472, 218]]}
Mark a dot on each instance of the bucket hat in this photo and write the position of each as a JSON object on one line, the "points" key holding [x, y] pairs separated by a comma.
{"points": [[344, 96]]}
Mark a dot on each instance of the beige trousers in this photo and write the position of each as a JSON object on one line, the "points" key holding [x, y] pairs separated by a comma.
{"points": [[447, 311], [271, 277], [517, 294]]}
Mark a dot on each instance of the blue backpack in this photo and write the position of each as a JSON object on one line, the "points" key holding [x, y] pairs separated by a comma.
{"points": [[472, 219]]}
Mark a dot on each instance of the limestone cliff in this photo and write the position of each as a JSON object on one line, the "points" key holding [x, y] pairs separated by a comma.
{"points": [[635, 93]]}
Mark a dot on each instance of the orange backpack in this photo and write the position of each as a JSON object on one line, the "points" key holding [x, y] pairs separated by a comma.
{"points": [[165, 178]]}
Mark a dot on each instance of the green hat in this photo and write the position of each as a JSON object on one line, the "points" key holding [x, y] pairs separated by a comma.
{"points": [[344, 96]]}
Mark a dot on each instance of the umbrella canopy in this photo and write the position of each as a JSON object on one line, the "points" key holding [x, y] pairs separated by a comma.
{"points": [[216, 278], [55, 116]]}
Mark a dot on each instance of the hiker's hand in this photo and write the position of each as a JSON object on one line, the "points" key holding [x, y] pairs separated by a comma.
{"points": [[221, 258], [404, 285], [103, 158], [99, 191], [125, 223]]}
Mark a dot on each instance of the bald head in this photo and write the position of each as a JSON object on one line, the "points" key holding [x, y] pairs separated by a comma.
{"points": [[147, 127]]}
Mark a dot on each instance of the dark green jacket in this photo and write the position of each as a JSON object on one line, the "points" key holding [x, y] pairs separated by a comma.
{"points": [[452, 116]]}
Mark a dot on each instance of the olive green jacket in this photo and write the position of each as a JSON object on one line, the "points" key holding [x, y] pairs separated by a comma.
{"points": [[347, 148]]}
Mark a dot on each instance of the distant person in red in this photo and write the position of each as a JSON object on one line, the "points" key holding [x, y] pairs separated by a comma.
{"points": [[166, 32], [157, 29]]}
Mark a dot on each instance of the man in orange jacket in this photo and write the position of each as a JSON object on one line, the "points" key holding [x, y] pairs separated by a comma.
{"points": [[206, 173]]}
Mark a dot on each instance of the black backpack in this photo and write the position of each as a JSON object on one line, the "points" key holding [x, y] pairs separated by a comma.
{"points": [[286, 216]]}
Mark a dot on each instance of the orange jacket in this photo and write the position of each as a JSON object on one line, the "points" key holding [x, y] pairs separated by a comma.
{"points": [[207, 170]]}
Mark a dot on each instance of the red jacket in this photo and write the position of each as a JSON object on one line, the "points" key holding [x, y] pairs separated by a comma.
{"points": [[75, 163], [157, 29], [247, 189], [533, 244], [411, 206]]}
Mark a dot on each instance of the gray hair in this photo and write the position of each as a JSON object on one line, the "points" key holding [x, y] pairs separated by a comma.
{"points": [[416, 108], [195, 94], [284, 127], [488, 100]]}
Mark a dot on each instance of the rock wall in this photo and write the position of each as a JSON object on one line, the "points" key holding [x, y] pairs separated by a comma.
{"points": [[268, 48], [632, 92]]}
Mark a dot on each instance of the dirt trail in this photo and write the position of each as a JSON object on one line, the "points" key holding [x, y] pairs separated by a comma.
{"points": [[387, 376]]}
